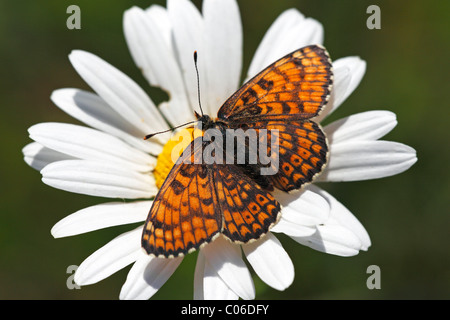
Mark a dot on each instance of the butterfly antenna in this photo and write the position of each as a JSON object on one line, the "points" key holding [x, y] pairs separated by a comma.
{"points": [[199, 103], [181, 125], [198, 82]]}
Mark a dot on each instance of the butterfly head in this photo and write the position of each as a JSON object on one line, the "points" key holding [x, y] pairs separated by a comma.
{"points": [[205, 120]]}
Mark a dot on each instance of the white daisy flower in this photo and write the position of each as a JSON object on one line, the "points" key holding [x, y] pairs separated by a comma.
{"points": [[109, 158]]}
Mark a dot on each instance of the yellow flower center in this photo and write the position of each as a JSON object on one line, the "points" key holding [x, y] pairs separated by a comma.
{"points": [[170, 153]]}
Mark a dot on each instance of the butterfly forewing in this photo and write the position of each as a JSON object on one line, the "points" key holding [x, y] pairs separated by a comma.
{"points": [[283, 97], [184, 213], [295, 87]]}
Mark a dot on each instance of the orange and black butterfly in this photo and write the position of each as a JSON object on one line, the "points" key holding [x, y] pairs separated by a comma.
{"points": [[200, 201]]}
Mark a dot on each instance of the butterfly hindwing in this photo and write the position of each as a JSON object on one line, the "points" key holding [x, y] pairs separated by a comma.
{"points": [[295, 87], [248, 210], [302, 152], [294, 153]]}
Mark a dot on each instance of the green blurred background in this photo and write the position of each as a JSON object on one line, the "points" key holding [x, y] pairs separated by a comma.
{"points": [[407, 216]]}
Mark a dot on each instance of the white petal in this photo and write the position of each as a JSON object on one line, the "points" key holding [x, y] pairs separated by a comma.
{"points": [[37, 156], [223, 51], [160, 17], [188, 36], [96, 113], [347, 74], [332, 239], [170, 109], [157, 61], [308, 32], [292, 228], [301, 212], [357, 69], [101, 216], [147, 276], [225, 259], [119, 91], [290, 31], [270, 261], [112, 257], [207, 283], [89, 144], [370, 125], [135, 287], [362, 160], [263, 55], [340, 215], [98, 179], [135, 23], [91, 109], [341, 234], [305, 208]]}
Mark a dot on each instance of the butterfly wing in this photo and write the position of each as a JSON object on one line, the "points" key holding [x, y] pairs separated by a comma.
{"points": [[184, 213], [283, 97], [198, 201], [248, 210], [295, 87], [301, 152]]}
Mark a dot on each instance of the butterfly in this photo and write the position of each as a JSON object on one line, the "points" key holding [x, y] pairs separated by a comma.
{"points": [[200, 201]]}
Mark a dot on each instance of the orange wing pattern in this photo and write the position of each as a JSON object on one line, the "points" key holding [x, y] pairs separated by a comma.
{"points": [[198, 201], [248, 210], [184, 213], [302, 152], [295, 87]]}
